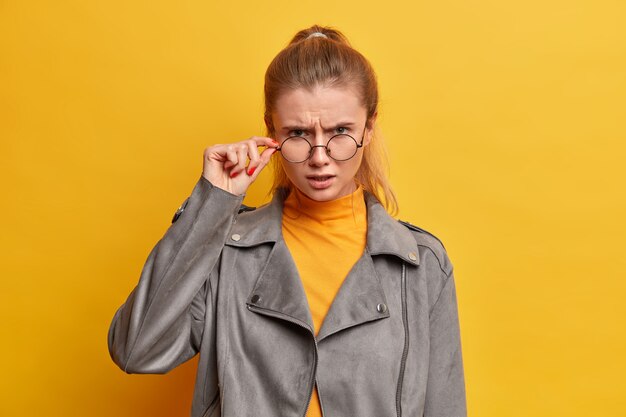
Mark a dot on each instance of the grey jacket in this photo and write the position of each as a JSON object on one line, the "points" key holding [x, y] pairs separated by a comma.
{"points": [[223, 284]]}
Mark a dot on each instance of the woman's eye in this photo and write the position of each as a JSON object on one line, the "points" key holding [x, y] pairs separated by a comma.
{"points": [[340, 130], [297, 132]]}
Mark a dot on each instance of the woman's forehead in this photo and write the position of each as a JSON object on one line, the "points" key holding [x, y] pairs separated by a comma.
{"points": [[326, 106]]}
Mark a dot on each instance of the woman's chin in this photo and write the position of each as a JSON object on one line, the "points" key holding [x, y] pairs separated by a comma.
{"points": [[327, 193]]}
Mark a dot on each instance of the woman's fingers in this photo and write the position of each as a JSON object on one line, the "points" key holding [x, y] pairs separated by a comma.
{"points": [[264, 159], [223, 164], [257, 163], [248, 158], [231, 159], [262, 141], [242, 159], [266, 155], [253, 154]]}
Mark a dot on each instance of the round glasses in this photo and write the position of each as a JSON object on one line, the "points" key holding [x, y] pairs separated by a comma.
{"points": [[340, 147]]}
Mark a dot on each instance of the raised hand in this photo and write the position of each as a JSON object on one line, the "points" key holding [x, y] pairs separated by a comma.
{"points": [[233, 167]]}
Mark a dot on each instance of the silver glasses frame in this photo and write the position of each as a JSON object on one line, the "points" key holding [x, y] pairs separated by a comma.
{"points": [[312, 147]]}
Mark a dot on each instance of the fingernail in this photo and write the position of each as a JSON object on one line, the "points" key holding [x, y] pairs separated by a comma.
{"points": [[274, 142], [234, 174], [251, 171]]}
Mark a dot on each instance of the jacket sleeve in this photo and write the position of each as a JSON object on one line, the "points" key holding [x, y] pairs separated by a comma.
{"points": [[160, 324], [445, 389]]}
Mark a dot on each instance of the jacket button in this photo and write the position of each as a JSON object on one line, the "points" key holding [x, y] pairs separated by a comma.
{"points": [[255, 298], [236, 237], [381, 308], [413, 256]]}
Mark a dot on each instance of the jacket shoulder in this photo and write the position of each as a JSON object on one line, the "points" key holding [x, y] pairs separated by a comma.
{"points": [[429, 241], [422, 233]]}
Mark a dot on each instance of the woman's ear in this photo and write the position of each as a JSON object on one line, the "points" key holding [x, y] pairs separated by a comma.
{"points": [[369, 128]]}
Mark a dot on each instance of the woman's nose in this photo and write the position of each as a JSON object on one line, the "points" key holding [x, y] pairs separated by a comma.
{"points": [[319, 156]]}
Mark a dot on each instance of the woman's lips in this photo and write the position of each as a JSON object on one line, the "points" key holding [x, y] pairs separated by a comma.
{"points": [[319, 182]]}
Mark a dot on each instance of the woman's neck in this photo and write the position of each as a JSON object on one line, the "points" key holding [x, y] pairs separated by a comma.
{"points": [[299, 205]]}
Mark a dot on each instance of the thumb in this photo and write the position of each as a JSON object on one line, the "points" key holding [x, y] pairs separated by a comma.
{"points": [[264, 159]]}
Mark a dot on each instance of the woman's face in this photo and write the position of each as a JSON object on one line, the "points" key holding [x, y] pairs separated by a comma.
{"points": [[317, 115]]}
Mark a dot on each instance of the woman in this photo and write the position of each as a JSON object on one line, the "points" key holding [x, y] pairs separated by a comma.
{"points": [[318, 303]]}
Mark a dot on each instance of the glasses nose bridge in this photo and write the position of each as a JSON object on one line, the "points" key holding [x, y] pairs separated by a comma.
{"points": [[325, 151]]}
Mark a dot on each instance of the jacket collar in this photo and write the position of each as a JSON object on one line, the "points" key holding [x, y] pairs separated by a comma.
{"points": [[385, 236], [278, 291]]}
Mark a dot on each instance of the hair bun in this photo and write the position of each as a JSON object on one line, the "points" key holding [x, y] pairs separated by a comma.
{"points": [[317, 31], [317, 35]]}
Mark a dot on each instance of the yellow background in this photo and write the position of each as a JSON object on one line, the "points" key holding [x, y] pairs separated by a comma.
{"points": [[505, 127]]}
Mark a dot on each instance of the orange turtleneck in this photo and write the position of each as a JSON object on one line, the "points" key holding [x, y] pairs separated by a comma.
{"points": [[325, 239]]}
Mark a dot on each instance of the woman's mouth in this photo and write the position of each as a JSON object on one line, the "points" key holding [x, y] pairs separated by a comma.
{"points": [[320, 182]]}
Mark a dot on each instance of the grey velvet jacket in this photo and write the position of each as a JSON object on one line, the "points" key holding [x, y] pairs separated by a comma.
{"points": [[223, 284]]}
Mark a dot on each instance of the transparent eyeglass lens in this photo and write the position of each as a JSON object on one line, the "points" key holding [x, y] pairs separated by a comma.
{"points": [[340, 148], [295, 149]]}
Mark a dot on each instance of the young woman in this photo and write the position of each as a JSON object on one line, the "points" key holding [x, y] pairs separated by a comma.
{"points": [[319, 303]]}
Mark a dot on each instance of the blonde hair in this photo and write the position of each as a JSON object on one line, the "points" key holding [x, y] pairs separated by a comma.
{"points": [[323, 56]]}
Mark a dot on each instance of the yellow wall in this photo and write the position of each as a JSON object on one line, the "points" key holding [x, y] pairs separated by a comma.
{"points": [[505, 125]]}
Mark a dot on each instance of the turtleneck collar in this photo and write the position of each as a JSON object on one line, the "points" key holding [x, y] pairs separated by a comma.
{"points": [[299, 206]]}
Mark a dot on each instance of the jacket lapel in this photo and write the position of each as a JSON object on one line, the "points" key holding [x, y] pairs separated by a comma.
{"points": [[278, 291], [387, 236], [361, 297], [357, 300]]}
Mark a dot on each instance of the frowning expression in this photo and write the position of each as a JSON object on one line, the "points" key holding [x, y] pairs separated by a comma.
{"points": [[317, 115]]}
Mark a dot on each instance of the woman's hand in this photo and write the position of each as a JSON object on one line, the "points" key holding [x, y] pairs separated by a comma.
{"points": [[227, 167]]}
